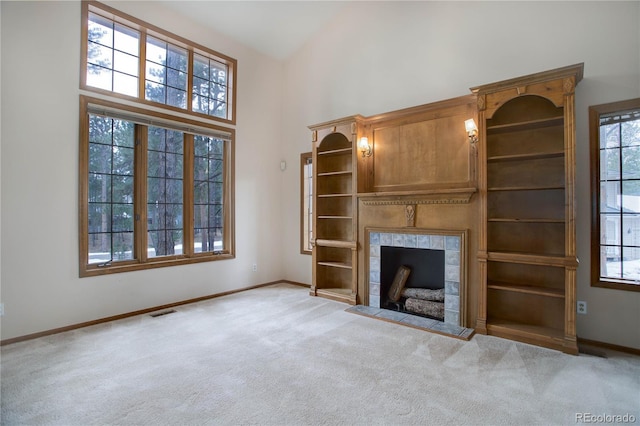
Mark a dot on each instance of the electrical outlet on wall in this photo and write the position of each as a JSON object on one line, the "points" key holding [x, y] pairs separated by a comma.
{"points": [[254, 267], [582, 307], [1, 309]]}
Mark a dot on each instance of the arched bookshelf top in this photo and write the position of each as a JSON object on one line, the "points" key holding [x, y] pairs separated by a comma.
{"points": [[525, 108], [334, 142]]}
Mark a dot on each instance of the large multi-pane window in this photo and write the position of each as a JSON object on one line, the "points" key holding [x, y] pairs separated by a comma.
{"points": [[615, 150], [155, 195], [125, 56], [156, 184]]}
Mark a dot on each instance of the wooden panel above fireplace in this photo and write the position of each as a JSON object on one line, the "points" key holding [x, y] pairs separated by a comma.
{"points": [[423, 148]]}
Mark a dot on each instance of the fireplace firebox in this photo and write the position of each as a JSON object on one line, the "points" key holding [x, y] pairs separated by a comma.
{"points": [[425, 269]]}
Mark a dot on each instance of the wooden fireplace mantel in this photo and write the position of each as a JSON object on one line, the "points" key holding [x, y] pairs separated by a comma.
{"points": [[431, 196]]}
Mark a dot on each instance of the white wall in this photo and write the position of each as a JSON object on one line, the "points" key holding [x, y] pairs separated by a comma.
{"points": [[39, 130], [382, 56]]}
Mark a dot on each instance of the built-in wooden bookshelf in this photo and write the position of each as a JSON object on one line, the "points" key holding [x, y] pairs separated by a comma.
{"points": [[527, 249], [334, 210]]}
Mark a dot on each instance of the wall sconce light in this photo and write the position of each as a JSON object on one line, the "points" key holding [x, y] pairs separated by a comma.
{"points": [[364, 147], [472, 130]]}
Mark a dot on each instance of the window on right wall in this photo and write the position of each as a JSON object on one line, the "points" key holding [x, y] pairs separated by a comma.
{"points": [[615, 194]]}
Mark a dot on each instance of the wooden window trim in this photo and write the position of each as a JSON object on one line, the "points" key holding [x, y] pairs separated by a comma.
{"points": [[304, 157], [146, 28], [142, 262], [595, 112]]}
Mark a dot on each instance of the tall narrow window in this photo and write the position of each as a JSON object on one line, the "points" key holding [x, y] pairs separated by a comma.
{"points": [[164, 192], [208, 194], [306, 203], [110, 190], [615, 151]]}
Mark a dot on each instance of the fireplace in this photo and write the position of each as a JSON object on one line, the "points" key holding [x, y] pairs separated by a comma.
{"points": [[435, 260], [412, 281]]}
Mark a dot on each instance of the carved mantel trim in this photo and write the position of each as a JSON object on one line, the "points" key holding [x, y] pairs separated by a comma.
{"points": [[410, 214], [438, 196]]}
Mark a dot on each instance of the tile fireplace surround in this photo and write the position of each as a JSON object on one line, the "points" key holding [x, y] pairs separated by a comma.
{"points": [[453, 245]]}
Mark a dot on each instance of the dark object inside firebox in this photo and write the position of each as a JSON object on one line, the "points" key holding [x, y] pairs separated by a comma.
{"points": [[427, 271]]}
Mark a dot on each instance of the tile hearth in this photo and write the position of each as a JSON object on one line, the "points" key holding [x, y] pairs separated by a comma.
{"points": [[414, 321]]}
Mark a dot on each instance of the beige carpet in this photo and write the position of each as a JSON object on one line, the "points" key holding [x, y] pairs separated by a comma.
{"points": [[275, 356]]}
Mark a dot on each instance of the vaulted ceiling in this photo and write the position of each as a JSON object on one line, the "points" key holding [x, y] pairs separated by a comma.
{"points": [[275, 28]]}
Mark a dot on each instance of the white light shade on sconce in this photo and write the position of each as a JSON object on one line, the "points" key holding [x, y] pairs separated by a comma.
{"points": [[470, 125], [364, 147]]}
